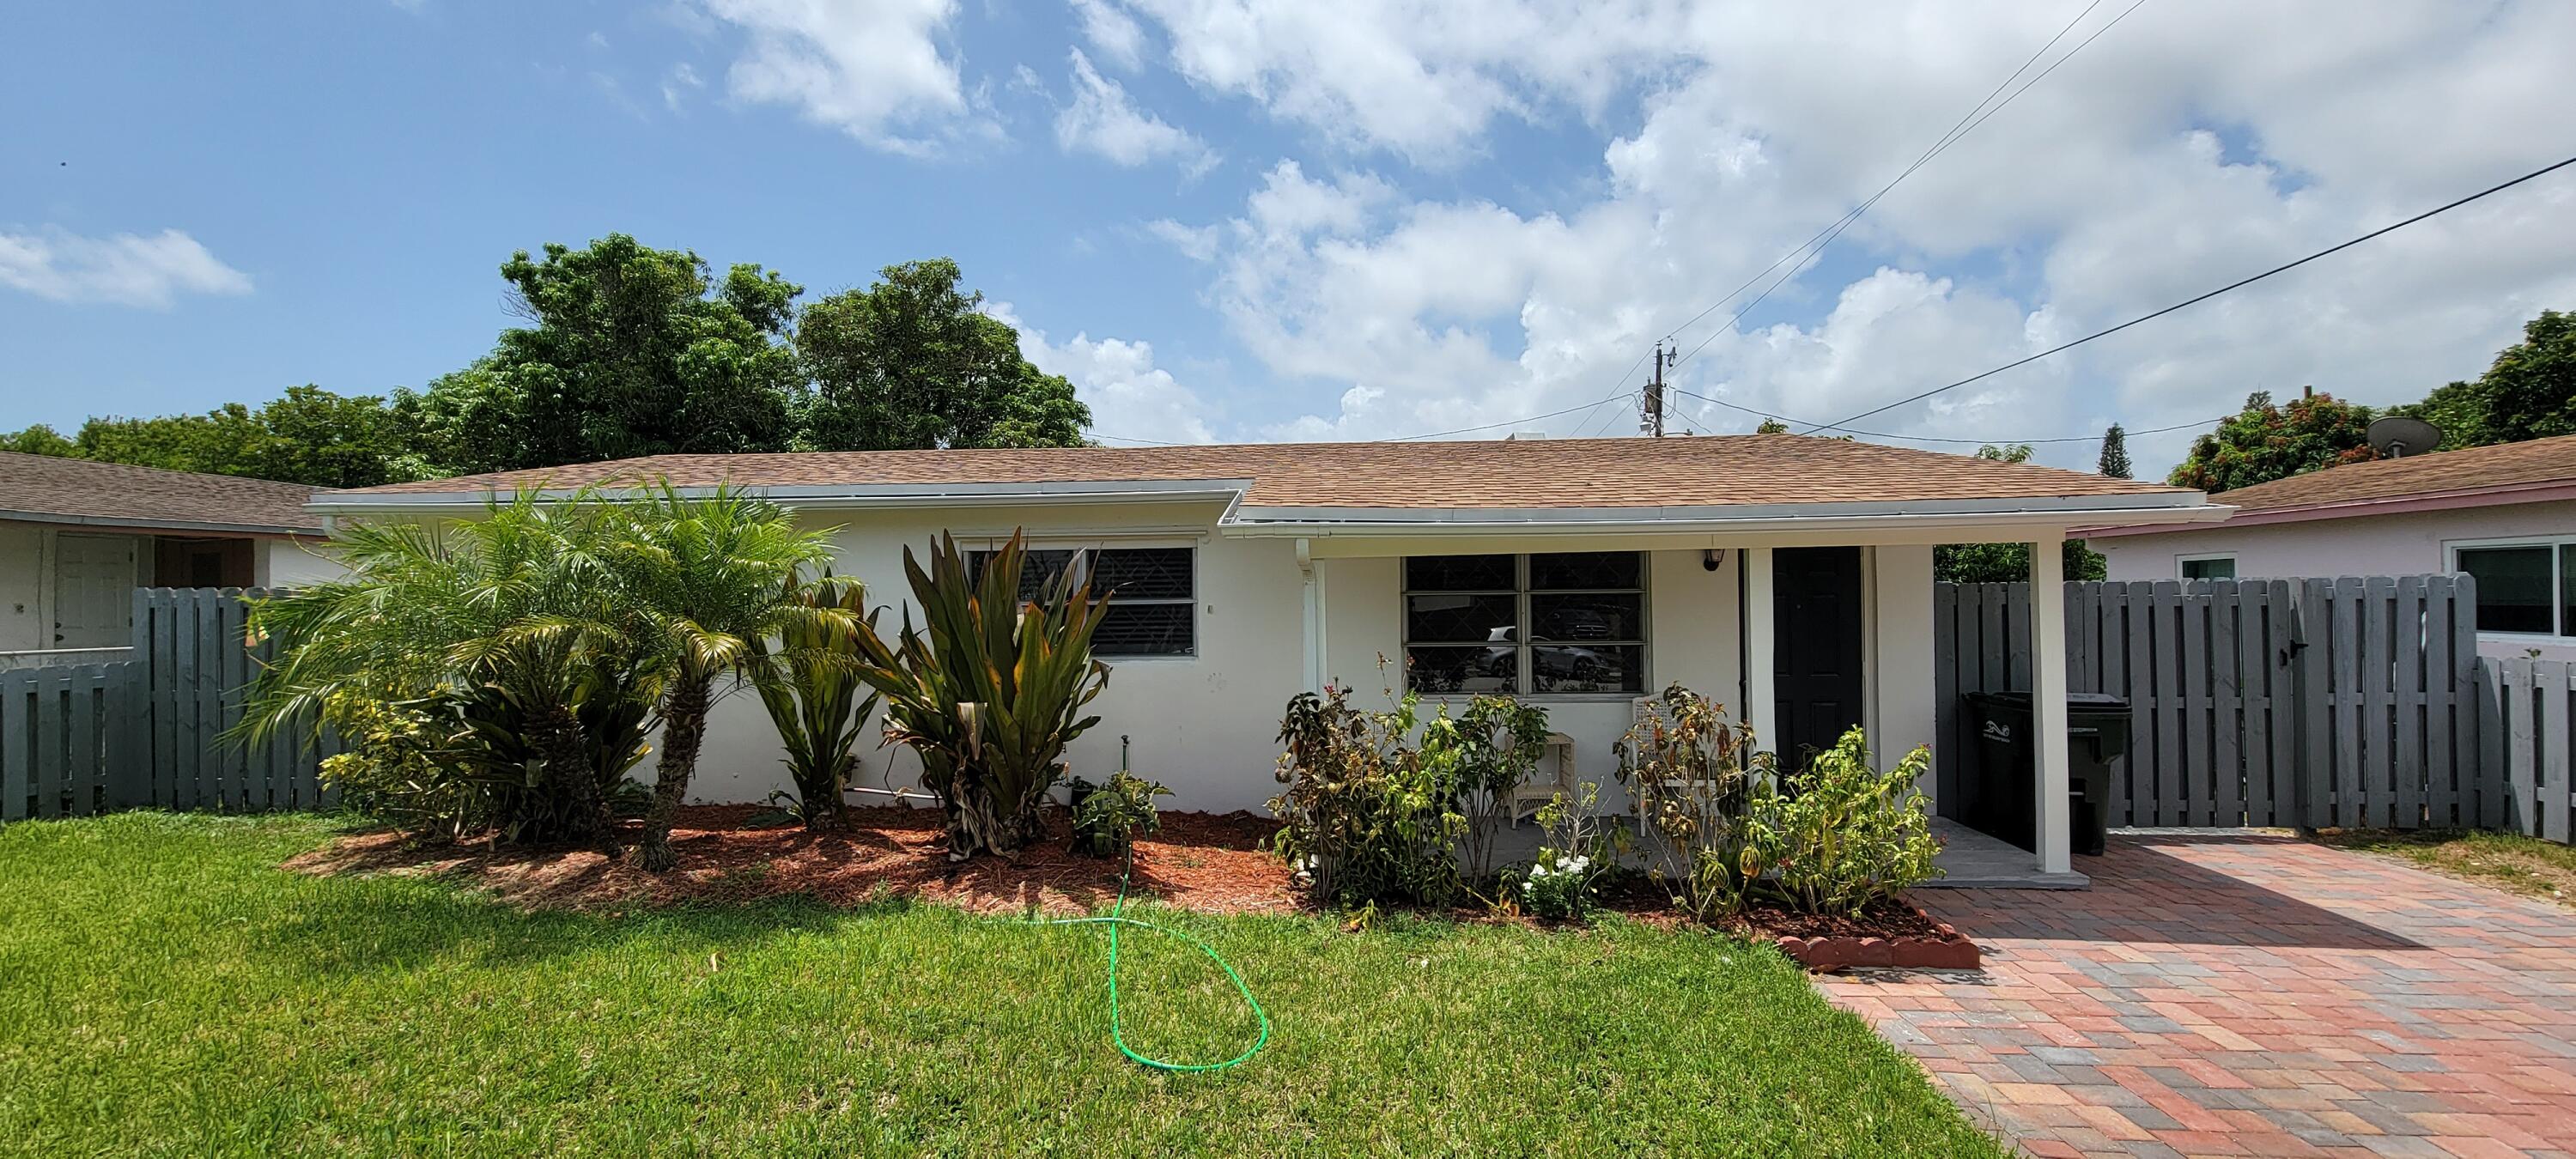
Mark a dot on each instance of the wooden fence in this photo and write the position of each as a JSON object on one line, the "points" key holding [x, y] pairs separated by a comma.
{"points": [[2311, 703], [149, 732]]}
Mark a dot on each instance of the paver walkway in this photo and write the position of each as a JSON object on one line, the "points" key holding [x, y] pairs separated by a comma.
{"points": [[2222, 994]]}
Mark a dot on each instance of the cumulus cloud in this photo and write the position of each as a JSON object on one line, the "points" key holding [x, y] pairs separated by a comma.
{"points": [[1111, 32], [876, 71], [1128, 395], [124, 269], [1101, 120]]}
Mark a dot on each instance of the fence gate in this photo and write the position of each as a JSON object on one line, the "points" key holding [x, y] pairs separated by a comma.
{"points": [[2257, 702]]}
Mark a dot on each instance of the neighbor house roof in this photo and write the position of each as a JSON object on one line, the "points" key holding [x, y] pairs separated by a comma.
{"points": [[48, 489], [2526, 472], [1482, 481]]}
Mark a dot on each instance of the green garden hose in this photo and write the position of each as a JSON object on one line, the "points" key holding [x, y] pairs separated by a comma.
{"points": [[1117, 1029]]}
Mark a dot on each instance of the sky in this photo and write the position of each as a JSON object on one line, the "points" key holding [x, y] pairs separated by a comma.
{"points": [[1255, 220]]}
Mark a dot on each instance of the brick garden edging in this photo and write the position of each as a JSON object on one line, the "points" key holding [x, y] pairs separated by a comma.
{"points": [[1947, 950]]}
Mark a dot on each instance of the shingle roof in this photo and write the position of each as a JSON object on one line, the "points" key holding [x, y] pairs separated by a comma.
{"points": [[48, 488], [2469, 469], [1592, 473]]}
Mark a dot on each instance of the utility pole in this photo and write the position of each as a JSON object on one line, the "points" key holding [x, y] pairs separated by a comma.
{"points": [[1650, 403]]}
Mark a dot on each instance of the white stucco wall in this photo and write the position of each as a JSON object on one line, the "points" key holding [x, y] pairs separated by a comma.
{"points": [[2412, 543], [1902, 661], [286, 563]]}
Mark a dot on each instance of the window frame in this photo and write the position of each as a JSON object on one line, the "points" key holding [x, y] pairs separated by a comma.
{"points": [[1523, 625], [1083, 549], [2235, 572], [2556, 546]]}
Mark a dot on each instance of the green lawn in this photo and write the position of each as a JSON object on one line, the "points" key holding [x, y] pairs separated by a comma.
{"points": [[164, 988], [2509, 861]]}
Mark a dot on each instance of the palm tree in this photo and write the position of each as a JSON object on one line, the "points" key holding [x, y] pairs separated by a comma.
{"points": [[811, 688], [710, 577], [519, 604]]}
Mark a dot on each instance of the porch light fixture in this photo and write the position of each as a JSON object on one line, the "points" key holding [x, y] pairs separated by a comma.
{"points": [[1710, 558]]}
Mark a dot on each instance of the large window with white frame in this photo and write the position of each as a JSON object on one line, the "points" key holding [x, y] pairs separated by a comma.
{"points": [[2526, 587], [1153, 594], [1565, 623]]}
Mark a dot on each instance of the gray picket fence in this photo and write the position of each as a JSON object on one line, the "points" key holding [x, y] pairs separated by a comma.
{"points": [[2312, 703], [149, 731]]}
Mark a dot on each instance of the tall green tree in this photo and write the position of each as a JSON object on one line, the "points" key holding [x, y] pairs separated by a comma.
{"points": [[2528, 393], [39, 439], [2009, 563], [307, 435], [2264, 442], [913, 362], [630, 351], [2115, 453]]}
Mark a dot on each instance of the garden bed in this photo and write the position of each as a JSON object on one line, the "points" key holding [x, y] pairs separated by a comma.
{"points": [[1204, 862], [1889, 932]]}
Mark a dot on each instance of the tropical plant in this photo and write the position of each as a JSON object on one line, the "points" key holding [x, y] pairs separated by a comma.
{"points": [[1484, 755], [1690, 772], [1108, 818], [1564, 878], [706, 577], [516, 609], [2264, 442], [1366, 818], [810, 685], [989, 690], [1841, 834]]}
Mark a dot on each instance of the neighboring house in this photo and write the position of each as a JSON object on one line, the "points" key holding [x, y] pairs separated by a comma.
{"points": [[77, 537], [1792, 575], [2505, 514]]}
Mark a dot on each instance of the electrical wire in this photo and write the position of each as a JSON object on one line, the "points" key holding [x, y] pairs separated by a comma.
{"points": [[1940, 439], [1125, 439], [2196, 300], [1507, 422]]}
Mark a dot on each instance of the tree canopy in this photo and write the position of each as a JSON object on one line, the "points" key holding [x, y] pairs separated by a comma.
{"points": [[2264, 442], [2528, 393], [912, 361], [2009, 563], [308, 435]]}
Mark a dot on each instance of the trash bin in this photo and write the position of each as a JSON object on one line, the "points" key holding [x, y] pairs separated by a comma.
{"points": [[1999, 798]]}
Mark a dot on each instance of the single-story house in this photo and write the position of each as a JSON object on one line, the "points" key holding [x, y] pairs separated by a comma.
{"points": [[1788, 575], [77, 537], [2505, 514]]}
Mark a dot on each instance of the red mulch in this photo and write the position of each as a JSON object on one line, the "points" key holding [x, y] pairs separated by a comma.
{"points": [[1198, 861], [1884, 918]]}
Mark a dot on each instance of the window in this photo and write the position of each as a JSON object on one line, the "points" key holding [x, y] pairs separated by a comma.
{"points": [[1153, 590], [2524, 588], [2199, 567], [1573, 622]]}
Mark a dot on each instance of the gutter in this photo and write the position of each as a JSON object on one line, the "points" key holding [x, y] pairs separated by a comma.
{"points": [[1817, 521], [179, 525], [2451, 500]]}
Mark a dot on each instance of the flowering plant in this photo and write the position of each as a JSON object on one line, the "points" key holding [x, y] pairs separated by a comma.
{"points": [[1559, 885]]}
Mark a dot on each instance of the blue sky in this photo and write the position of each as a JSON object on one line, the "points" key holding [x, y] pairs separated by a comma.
{"points": [[1243, 219]]}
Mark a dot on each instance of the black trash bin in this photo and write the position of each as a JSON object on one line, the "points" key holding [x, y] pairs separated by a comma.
{"points": [[1998, 795]]}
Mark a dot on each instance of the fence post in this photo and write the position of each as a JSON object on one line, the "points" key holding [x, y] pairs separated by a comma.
{"points": [[2308, 684]]}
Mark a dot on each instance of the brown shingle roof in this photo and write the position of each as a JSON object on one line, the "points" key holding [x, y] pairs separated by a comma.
{"points": [[54, 489], [1629, 472], [2468, 469]]}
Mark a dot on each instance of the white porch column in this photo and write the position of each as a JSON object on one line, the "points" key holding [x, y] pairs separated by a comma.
{"points": [[1760, 637], [1310, 570], [2048, 702]]}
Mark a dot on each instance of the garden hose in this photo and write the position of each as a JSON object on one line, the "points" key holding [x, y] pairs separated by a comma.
{"points": [[1117, 1029]]}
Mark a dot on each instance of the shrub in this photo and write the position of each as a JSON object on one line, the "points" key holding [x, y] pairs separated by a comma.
{"points": [[1564, 878], [810, 685], [1841, 834], [989, 690], [1366, 818], [1483, 755], [1686, 768], [1108, 818]]}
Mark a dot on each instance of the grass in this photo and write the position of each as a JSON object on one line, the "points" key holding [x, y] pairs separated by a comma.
{"points": [[165, 989], [2509, 861]]}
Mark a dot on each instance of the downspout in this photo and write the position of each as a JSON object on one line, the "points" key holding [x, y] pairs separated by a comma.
{"points": [[1313, 591]]}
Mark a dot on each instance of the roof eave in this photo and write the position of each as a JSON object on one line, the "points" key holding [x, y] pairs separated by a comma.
{"points": [[2450, 500], [303, 531], [825, 496], [1971, 519]]}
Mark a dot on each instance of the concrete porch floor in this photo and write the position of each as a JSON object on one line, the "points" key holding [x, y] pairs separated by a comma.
{"points": [[1973, 860]]}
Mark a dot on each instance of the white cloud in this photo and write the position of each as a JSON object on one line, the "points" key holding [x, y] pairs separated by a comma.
{"points": [[876, 70], [124, 270], [2190, 146], [1111, 32], [1101, 120], [678, 84], [1128, 395]]}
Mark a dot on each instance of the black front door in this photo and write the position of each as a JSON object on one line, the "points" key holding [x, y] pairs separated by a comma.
{"points": [[1816, 647]]}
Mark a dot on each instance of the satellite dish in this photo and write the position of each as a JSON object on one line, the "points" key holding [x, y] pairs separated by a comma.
{"points": [[2396, 436]]}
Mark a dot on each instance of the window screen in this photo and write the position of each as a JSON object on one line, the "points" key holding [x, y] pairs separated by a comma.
{"points": [[1153, 595], [1572, 622]]}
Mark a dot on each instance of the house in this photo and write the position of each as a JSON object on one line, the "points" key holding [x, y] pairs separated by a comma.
{"points": [[77, 537], [1789, 574], [2505, 514]]}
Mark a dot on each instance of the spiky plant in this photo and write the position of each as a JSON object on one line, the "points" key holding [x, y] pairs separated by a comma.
{"points": [[989, 690], [810, 685]]}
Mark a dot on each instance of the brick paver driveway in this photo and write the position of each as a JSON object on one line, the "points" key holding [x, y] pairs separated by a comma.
{"points": [[2232, 994]]}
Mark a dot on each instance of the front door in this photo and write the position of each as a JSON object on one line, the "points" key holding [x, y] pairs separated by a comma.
{"points": [[1816, 649], [93, 591]]}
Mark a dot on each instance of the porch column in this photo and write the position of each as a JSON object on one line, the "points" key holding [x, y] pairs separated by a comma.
{"points": [[2048, 702], [1761, 702]]}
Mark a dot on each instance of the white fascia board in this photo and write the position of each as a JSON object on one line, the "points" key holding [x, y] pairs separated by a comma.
{"points": [[244, 530], [2179, 506], [1997, 523], [840, 495]]}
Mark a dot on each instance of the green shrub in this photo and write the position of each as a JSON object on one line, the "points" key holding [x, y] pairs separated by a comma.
{"points": [[810, 686], [1108, 818], [1482, 756], [1840, 834], [1366, 818], [1563, 880], [1689, 772]]}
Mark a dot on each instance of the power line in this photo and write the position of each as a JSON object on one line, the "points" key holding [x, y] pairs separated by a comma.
{"points": [[1125, 439], [2193, 301], [1939, 439], [1967, 123], [1507, 422]]}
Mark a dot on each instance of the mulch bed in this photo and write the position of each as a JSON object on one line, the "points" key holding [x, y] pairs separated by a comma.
{"points": [[1199, 861], [1889, 932]]}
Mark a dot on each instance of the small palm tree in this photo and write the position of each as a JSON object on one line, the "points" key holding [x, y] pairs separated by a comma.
{"points": [[709, 577], [811, 686], [520, 602]]}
